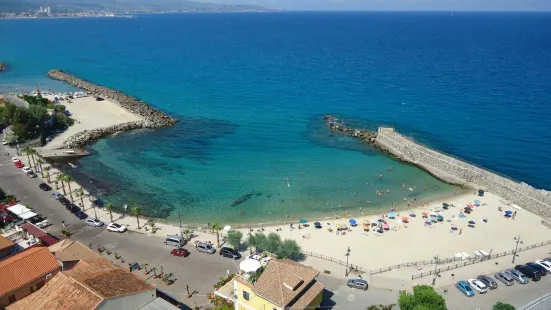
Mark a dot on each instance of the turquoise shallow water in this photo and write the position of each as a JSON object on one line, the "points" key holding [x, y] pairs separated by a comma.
{"points": [[251, 89]]}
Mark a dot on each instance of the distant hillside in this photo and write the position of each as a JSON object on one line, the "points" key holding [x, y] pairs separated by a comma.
{"points": [[124, 5]]}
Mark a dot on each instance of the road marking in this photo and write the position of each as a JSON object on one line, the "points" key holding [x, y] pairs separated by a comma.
{"points": [[350, 297]]}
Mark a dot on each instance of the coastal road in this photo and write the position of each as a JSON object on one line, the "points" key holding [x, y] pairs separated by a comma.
{"points": [[199, 270], [343, 297]]}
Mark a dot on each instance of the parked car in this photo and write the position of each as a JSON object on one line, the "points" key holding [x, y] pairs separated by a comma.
{"points": [[81, 215], [478, 286], [15, 159], [18, 164], [57, 195], [465, 288], [73, 208], [94, 222], [64, 201], [542, 270], [548, 259], [230, 253], [518, 276], [43, 224], [544, 264], [26, 169], [179, 252], [31, 174], [488, 281], [505, 278], [530, 272], [204, 247], [175, 240], [357, 283], [45, 187], [116, 227]]}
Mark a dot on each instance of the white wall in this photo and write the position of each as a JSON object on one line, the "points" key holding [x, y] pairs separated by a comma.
{"points": [[129, 302]]}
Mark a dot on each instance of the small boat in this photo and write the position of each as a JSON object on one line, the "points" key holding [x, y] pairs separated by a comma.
{"points": [[73, 166]]}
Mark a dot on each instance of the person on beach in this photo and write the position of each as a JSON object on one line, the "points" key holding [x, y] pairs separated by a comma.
{"points": [[460, 231], [63, 224]]}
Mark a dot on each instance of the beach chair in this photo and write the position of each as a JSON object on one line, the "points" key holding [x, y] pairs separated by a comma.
{"points": [[465, 255], [478, 254], [458, 255], [484, 253]]}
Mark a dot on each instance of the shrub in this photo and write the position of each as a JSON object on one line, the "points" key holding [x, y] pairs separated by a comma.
{"points": [[501, 306], [234, 238], [423, 297]]}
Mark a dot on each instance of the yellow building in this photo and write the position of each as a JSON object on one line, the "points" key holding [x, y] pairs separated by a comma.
{"points": [[284, 284]]}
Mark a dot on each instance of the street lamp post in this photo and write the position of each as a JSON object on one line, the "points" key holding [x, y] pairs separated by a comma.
{"points": [[519, 240], [347, 255], [250, 246], [436, 258], [180, 218]]}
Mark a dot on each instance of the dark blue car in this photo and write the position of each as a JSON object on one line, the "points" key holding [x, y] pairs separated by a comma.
{"points": [[81, 215], [465, 288]]}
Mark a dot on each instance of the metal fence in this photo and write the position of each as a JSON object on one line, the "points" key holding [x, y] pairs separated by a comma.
{"points": [[542, 303], [418, 263], [475, 261], [335, 260]]}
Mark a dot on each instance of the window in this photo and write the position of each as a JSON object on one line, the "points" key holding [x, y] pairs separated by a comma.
{"points": [[11, 299], [245, 295]]}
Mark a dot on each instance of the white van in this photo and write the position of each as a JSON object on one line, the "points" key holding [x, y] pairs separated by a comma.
{"points": [[175, 240]]}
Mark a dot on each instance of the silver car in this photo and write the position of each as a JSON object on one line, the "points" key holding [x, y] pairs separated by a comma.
{"points": [[505, 278], [518, 276], [94, 222], [204, 247], [488, 281], [357, 283]]}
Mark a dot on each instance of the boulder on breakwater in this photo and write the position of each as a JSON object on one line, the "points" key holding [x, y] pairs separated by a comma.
{"points": [[152, 118], [334, 124]]}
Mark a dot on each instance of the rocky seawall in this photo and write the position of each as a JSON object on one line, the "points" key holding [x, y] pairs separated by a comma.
{"points": [[336, 125], [152, 118]]}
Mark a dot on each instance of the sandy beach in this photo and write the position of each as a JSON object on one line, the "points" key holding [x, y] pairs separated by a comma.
{"points": [[90, 114]]}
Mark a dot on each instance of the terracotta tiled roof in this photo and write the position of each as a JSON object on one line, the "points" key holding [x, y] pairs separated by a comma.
{"points": [[69, 250], [107, 280], [5, 243], [283, 280], [60, 293], [26, 267], [307, 296]]}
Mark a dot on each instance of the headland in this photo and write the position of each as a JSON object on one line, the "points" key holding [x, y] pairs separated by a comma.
{"points": [[103, 112]]}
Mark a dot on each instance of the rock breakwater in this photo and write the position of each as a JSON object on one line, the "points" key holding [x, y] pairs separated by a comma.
{"points": [[336, 125], [151, 118]]}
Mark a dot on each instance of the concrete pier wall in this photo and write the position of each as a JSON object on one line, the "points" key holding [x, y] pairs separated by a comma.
{"points": [[456, 171]]}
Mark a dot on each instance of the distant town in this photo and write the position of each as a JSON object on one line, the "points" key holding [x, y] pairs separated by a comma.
{"points": [[76, 12]]}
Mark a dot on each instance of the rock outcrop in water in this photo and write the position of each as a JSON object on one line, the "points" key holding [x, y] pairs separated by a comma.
{"points": [[152, 118], [3, 66], [367, 136]]}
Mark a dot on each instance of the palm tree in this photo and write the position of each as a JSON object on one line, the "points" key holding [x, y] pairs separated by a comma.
{"points": [[217, 226], [137, 211], [34, 152], [47, 168], [80, 193], [60, 177], [28, 151], [40, 161], [68, 180], [109, 207]]}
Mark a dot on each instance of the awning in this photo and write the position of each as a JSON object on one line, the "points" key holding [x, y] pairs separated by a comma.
{"points": [[22, 211], [249, 265]]}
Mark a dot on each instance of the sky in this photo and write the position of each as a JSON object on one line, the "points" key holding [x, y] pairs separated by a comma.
{"points": [[442, 5]]}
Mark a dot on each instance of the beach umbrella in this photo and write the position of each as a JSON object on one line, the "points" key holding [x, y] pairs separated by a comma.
{"points": [[227, 227], [427, 221], [425, 214], [454, 227], [472, 222], [366, 221], [392, 215], [445, 205], [303, 221], [508, 212], [352, 222], [480, 192], [440, 218], [413, 215], [317, 224], [385, 226], [477, 201], [373, 224]]}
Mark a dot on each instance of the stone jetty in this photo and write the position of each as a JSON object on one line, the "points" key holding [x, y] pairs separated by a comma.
{"points": [[151, 118], [368, 136]]}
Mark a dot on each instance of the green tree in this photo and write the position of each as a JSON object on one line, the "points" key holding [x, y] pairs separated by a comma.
{"points": [[288, 249], [61, 178], [381, 307], [501, 306], [109, 208], [28, 151], [80, 193], [59, 108], [216, 227], [40, 161], [137, 211], [48, 168], [68, 180], [234, 238], [423, 297], [258, 240], [273, 241]]}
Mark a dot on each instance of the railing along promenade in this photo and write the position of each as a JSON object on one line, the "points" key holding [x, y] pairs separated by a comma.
{"points": [[542, 303]]}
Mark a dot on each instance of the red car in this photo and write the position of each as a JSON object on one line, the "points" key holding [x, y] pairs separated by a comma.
{"points": [[180, 252], [18, 164]]}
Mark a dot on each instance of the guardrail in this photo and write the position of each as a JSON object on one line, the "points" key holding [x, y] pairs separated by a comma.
{"points": [[475, 261], [542, 303], [419, 263], [335, 260]]}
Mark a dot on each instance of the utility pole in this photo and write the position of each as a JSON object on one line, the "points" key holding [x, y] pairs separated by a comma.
{"points": [[347, 255], [435, 268], [250, 246], [519, 240], [180, 218]]}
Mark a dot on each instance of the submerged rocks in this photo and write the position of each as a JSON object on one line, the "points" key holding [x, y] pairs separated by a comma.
{"points": [[367, 136], [3, 66], [152, 118]]}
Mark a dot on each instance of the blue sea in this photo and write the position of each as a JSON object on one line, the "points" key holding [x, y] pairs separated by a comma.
{"points": [[250, 91]]}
